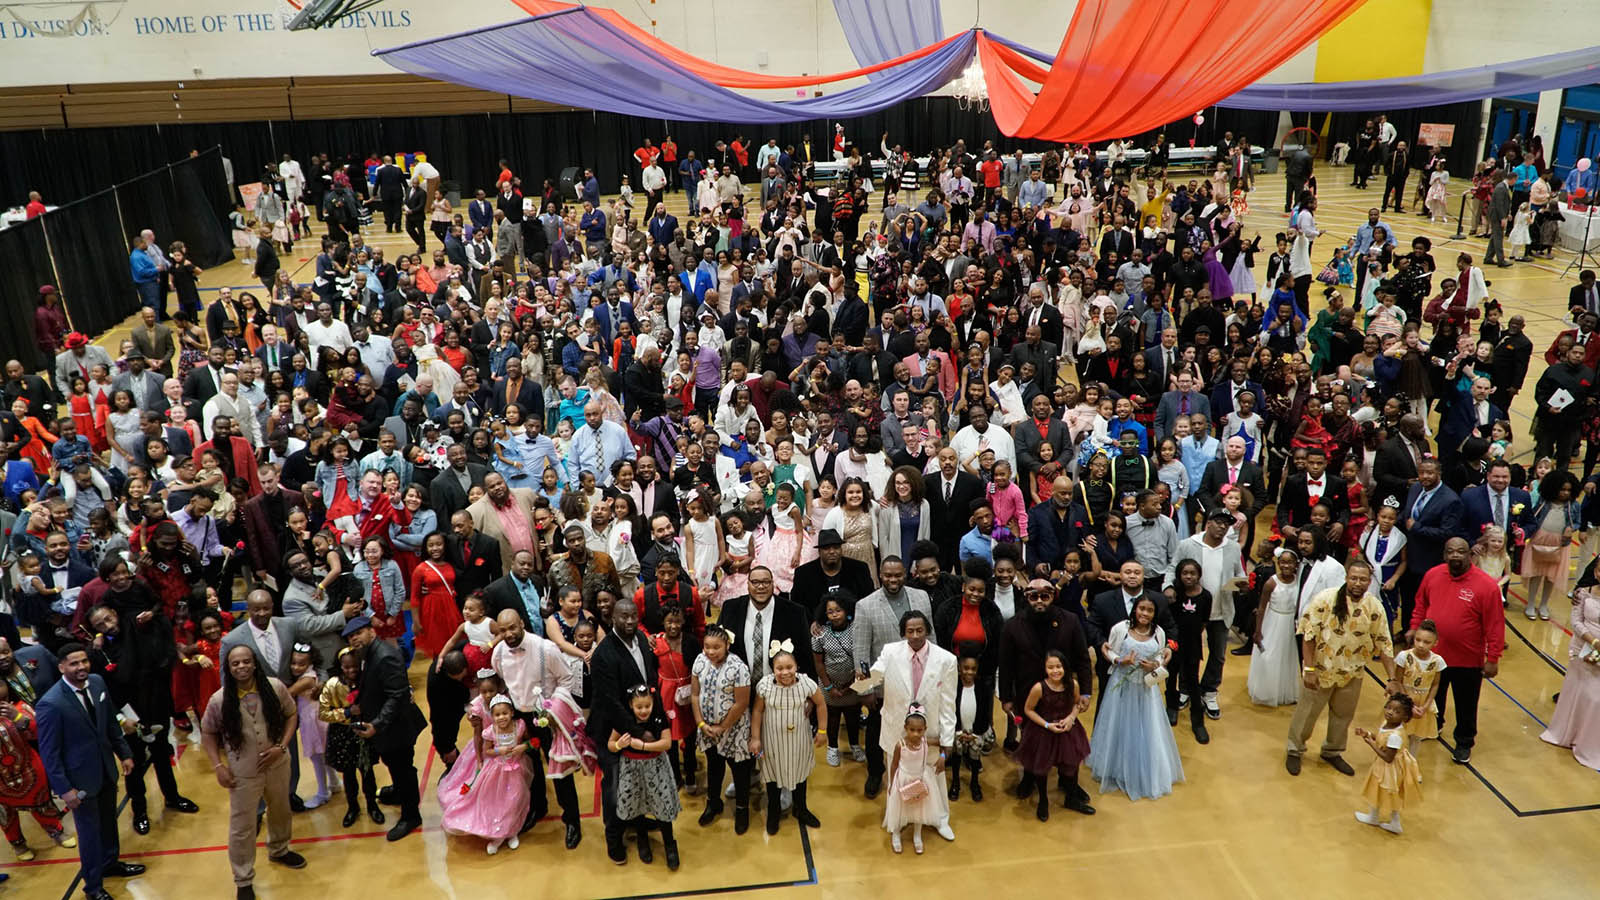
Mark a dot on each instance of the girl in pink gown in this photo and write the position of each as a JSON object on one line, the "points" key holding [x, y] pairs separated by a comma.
{"points": [[816, 511], [497, 796], [1576, 723]]}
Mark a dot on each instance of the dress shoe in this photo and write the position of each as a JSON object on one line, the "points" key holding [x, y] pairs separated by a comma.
{"points": [[617, 853], [120, 869], [1025, 786], [874, 785], [773, 812], [574, 836], [374, 813], [1172, 717], [670, 848], [646, 856], [244, 892], [977, 789], [741, 819], [289, 860], [1292, 764], [1078, 802], [402, 828], [1201, 736], [1339, 765], [955, 789], [351, 816], [386, 796], [1244, 649], [141, 823], [296, 805], [183, 805]]}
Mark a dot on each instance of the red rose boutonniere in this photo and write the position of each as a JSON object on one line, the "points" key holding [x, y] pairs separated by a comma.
{"points": [[478, 561], [110, 667]]}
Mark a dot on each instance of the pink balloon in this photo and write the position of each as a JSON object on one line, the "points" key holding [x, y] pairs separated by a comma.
{"points": [[1199, 120], [1583, 164]]}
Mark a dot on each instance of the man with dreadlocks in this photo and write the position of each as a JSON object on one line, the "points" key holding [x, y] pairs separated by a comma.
{"points": [[1342, 630], [252, 720]]}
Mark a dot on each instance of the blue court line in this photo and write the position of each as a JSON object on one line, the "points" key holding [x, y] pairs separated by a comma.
{"points": [[1502, 690]]}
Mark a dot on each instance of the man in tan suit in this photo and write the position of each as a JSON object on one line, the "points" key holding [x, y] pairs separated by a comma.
{"points": [[155, 341], [505, 514]]}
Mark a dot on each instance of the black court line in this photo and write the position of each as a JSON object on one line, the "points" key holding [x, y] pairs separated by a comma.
{"points": [[1542, 655], [811, 879]]}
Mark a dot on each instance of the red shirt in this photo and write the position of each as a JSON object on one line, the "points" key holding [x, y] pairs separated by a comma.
{"points": [[644, 155], [969, 628], [1472, 626], [991, 172], [35, 209], [669, 151]]}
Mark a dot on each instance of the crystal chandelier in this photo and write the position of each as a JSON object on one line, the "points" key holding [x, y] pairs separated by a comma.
{"points": [[970, 90]]}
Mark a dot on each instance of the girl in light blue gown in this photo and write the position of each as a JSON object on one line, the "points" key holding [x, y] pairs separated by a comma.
{"points": [[1133, 749]]}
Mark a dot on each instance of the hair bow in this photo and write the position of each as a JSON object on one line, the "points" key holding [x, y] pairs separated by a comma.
{"points": [[916, 709], [302, 648], [783, 646]]}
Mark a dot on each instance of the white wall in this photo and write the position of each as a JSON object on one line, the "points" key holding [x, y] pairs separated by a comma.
{"points": [[1467, 33]]}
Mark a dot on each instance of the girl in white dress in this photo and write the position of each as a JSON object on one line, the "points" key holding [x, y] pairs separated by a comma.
{"points": [[702, 542], [1275, 665], [780, 734], [1519, 236], [914, 795]]}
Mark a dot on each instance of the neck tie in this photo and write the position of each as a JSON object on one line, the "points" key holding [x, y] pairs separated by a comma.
{"points": [[759, 649], [1233, 474], [1183, 405], [88, 705], [1500, 509], [948, 485]]}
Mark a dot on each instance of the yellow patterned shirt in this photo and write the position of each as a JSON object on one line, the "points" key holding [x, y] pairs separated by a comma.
{"points": [[1342, 649]]}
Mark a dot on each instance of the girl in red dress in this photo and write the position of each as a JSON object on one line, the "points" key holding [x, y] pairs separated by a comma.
{"points": [[672, 674], [434, 615], [23, 784], [1357, 497], [80, 407], [385, 591], [36, 451]]}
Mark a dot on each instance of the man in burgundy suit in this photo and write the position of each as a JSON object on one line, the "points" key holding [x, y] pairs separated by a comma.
{"points": [[263, 515]]}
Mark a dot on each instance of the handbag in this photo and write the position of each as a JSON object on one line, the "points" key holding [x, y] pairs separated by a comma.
{"points": [[913, 791]]}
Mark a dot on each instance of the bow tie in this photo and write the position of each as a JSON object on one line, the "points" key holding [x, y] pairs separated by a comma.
{"points": [[1317, 483]]}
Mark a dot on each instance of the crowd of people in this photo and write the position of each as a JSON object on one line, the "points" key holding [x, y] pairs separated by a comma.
{"points": [[816, 466]]}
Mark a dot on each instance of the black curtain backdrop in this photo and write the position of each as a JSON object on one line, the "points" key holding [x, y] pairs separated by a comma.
{"points": [[64, 165], [1461, 157], [26, 269], [91, 254]]}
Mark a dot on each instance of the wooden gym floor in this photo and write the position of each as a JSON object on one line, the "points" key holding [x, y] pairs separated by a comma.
{"points": [[1521, 819]]}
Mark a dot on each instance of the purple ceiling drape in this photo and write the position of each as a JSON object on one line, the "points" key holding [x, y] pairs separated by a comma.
{"points": [[1523, 76], [884, 29], [576, 58]]}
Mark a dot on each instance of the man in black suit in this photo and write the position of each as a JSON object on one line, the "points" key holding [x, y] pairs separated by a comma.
{"points": [[1584, 296], [1023, 644], [1511, 357], [1042, 429], [831, 574], [1224, 396], [1117, 239], [1470, 416], [447, 492], [389, 182], [1431, 514], [1396, 464], [1495, 502], [656, 497], [1232, 469], [389, 720], [274, 353], [514, 387], [1304, 490], [476, 557], [205, 381], [1116, 605], [950, 497], [621, 663], [515, 591], [760, 619]]}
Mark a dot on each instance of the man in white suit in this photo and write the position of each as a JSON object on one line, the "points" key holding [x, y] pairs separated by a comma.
{"points": [[916, 670]]}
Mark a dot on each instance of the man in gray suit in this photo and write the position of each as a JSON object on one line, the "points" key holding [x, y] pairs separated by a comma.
{"points": [[878, 618], [314, 623], [1499, 219], [1185, 402], [1039, 430]]}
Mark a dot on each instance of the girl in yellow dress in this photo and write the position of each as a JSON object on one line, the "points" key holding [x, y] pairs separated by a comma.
{"points": [[1394, 780], [1419, 669]]}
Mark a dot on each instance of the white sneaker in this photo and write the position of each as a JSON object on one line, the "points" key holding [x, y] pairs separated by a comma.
{"points": [[1183, 700], [512, 842], [946, 832], [859, 754], [1213, 711], [833, 756], [1393, 825], [493, 848], [1366, 818], [894, 841]]}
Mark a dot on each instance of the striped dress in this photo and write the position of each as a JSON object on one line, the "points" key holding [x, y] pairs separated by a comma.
{"points": [[787, 750]]}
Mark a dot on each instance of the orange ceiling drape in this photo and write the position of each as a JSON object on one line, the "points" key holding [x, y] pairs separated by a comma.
{"points": [[1127, 66]]}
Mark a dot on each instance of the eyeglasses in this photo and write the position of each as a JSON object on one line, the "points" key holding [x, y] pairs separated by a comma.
{"points": [[1038, 592]]}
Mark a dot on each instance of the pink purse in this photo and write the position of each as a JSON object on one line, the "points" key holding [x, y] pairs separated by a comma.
{"points": [[913, 791]]}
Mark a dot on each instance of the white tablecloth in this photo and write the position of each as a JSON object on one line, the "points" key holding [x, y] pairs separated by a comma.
{"points": [[1572, 226]]}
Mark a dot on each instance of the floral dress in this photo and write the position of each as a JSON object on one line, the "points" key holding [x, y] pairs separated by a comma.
{"points": [[717, 684]]}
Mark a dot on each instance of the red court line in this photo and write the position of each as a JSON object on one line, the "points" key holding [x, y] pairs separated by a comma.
{"points": [[313, 839]]}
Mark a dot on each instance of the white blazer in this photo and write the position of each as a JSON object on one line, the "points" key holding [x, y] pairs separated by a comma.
{"points": [[937, 693]]}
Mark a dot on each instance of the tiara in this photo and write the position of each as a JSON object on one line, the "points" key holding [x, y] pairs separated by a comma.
{"points": [[1391, 502], [486, 673]]}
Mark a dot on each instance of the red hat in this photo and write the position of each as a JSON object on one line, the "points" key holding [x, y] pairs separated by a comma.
{"points": [[75, 340], [47, 289]]}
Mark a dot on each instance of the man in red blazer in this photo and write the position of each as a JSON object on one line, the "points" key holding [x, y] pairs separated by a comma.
{"points": [[235, 450], [263, 514], [1587, 333]]}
